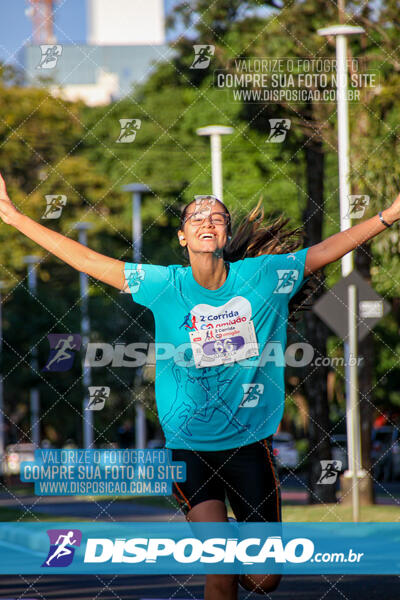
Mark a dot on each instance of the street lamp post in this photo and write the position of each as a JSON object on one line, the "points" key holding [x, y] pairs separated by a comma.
{"points": [[215, 132], [87, 415], [352, 409], [137, 190], [341, 32], [31, 262]]}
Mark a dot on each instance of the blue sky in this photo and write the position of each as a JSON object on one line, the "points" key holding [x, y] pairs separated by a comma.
{"points": [[16, 27]]}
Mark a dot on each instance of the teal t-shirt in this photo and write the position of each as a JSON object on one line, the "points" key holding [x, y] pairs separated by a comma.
{"points": [[220, 381]]}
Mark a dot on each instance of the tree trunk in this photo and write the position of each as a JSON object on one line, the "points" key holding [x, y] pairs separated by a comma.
{"points": [[315, 383]]}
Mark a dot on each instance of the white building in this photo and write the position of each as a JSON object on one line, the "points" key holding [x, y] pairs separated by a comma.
{"points": [[126, 39], [126, 22]]}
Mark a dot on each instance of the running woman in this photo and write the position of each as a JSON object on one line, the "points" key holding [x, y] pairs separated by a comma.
{"points": [[220, 397]]}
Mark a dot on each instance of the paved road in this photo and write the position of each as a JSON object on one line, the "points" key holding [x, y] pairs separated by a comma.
{"points": [[100, 510], [294, 491], [138, 587]]}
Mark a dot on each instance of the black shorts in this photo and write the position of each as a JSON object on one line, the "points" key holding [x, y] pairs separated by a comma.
{"points": [[246, 475]]}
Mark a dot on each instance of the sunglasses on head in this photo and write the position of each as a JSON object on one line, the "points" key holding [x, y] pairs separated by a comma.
{"points": [[206, 197]]}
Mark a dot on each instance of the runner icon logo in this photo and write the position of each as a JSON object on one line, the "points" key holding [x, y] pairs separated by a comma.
{"points": [[129, 127], [189, 321], [279, 129], [134, 279], [251, 394], [50, 56], [357, 206], [330, 471], [62, 550], [54, 205], [62, 351], [98, 396], [287, 279], [202, 56]]}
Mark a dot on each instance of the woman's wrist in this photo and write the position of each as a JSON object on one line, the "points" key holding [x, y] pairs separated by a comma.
{"points": [[15, 219], [390, 216]]}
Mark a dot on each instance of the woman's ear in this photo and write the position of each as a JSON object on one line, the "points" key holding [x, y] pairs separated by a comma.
{"points": [[181, 237]]}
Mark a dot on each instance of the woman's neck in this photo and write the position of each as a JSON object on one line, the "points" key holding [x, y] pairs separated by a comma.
{"points": [[209, 270]]}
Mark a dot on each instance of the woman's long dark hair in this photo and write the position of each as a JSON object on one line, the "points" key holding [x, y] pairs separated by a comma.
{"points": [[252, 238]]}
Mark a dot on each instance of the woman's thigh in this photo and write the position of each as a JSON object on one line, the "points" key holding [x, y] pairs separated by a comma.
{"points": [[252, 483], [212, 511], [203, 482]]}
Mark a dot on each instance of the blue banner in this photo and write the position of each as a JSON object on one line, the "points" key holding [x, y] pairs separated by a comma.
{"points": [[199, 548]]}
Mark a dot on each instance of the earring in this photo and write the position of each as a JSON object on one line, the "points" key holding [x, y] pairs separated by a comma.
{"points": [[181, 237]]}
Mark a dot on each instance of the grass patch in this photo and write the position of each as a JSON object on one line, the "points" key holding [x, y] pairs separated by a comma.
{"points": [[22, 515], [10, 490], [156, 501], [327, 513]]}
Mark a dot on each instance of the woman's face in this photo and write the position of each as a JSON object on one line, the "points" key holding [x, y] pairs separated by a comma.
{"points": [[206, 227]]}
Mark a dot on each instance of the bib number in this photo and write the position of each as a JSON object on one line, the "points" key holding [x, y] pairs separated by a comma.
{"points": [[212, 347]]}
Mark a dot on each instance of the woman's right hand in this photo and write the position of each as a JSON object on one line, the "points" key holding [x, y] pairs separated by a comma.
{"points": [[8, 212]]}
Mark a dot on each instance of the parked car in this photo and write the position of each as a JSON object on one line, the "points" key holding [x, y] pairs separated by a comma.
{"points": [[14, 455], [385, 453], [155, 444], [285, 451]]}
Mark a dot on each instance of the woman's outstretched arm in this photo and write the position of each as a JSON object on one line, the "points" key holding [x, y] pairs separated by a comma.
{"points": [[77, 255], [339, 244]]}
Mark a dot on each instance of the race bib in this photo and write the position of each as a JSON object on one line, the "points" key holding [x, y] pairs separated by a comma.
{"points": [[223, 335]]}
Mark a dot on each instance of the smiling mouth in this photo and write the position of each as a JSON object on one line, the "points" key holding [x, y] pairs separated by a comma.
{"points": [[207, 236]]}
